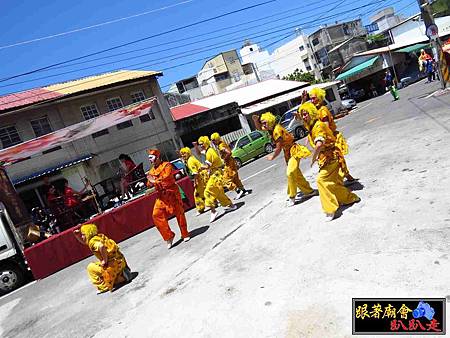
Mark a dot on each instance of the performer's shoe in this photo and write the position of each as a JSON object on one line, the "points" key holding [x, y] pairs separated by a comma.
{"points": [[127, 274], [232, 207], [313, 193], [291, 202], [169, 243], [214, 216], [330, 217], [240, 194], [199, 212], [186, 239], [99, 292]]}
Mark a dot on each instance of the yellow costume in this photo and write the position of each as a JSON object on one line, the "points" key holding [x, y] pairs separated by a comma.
{"points": [[103, 277], [332, 191], [294, 175], [200, 178], [214, 187], [231, 178], [325, 115]]}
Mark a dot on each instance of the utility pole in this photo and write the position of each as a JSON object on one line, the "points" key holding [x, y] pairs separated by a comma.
{"points": [[430, 25]]}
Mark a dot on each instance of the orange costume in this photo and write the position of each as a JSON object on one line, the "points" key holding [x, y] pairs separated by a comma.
{"points": [[169, 199]]}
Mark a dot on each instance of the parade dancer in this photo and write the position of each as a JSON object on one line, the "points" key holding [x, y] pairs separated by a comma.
{"points": [[111, 269], [284, 142], [332, 191], [231, 178], [168, 200], [199, 178], [317, 97], [214, 187]]}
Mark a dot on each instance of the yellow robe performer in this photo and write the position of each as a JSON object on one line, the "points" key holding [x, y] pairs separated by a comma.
{"points": [[111, 268], [332, 191], [284, 142], [231, 179], [214, 187], [317, 96], [200, 178]]}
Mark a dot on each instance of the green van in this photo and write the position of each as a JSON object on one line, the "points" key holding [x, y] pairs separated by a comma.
{"points": [[251, 146]]}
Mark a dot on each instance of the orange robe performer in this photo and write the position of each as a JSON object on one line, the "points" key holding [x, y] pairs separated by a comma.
{"points": [[169, 201]]}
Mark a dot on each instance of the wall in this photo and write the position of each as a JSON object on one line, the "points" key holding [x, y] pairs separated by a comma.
{"points": [[135, 139], [413, 31]]}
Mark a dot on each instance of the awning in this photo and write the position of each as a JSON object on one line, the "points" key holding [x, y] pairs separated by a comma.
{"points": [[357, 69], [74, 132], [52, 169], [413, 48]]}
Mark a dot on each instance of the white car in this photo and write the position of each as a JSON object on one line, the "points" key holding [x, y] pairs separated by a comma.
{"points": [[348, 103]]}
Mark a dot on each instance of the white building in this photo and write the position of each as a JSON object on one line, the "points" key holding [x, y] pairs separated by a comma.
{"points": [[383, 20], [261, 60], [295, 54]]}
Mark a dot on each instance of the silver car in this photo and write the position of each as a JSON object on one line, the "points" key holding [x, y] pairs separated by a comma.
{"points": [[295, 126]]}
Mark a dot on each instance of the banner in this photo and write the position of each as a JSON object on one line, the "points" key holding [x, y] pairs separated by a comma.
{"points": [[74, 132]]}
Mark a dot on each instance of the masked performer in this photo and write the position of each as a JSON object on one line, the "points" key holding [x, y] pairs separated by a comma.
{"points": [[111, 269], [214, 187], [168, 202], [230, 172], [284, 142], [332, 191]]}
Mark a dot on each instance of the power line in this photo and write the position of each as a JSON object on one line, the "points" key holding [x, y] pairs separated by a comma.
{"points": [[302, 12], [199, 50], [142, 39], [94, 26]]}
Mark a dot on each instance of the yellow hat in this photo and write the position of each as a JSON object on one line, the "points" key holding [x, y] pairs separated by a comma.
{"points": [[89, 231], [205, 141], [215, 137], [270, 119], [319, 93], [185, 151]]}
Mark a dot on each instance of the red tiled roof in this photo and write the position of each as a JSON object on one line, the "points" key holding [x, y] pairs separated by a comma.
{"points": [[26, 97], [186, 110]]}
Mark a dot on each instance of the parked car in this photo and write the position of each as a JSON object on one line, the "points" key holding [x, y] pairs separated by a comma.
{"points": [[348, 103], [295, 126], [251, 146]]}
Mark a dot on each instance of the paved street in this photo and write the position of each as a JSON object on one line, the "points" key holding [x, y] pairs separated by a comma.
{"points": [[270, 271]]}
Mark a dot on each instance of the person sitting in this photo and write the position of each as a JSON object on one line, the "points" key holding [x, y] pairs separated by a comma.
{"points": [[112, 268], [127, 167], [72, 201]]}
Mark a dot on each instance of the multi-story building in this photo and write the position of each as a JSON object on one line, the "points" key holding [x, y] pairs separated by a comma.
{"points": [[383, 20], [328, 37], [259, 59], [295, 54], [188, 86], [34, 113]]}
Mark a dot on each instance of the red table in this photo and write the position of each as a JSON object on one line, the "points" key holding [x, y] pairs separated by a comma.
{"points": [[63, 250]]}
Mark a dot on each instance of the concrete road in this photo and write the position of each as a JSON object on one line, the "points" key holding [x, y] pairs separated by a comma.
{"points": [[266, 270]]}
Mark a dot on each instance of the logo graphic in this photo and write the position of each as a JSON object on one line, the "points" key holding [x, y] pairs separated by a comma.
{"points": [[425, 316]]}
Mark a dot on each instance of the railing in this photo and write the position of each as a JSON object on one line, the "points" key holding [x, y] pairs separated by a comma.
{"points": [[233, 136]]}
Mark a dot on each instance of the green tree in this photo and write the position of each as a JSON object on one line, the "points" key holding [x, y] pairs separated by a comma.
{"points": [[298, 75]]}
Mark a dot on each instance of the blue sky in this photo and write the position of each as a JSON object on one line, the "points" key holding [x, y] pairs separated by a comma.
{"points": [[31, 19]]}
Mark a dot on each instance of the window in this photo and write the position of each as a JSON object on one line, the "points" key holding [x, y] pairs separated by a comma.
{"points": [[100, 133], [308, 45], [243, 141], [137, 96], [315, 42], [51, 150], [222, 77], [147, 117], [89, 111], [255, 135], [251, 49], [41, 126], [124, 125], [330, 95], [9, 136], [302, 48], [114, 103], [308, 68]]}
